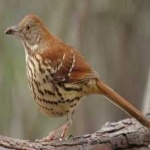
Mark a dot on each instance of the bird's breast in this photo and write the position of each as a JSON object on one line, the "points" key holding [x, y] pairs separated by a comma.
{"points": [[54, 99]]}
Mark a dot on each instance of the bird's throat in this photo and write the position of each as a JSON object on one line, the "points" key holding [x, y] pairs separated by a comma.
{"points": [[30, 49]]}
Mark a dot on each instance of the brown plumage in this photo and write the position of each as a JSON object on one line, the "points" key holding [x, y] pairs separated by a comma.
{"points": [[59, 76]]}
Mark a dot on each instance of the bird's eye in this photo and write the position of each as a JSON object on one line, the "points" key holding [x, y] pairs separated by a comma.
{"points": [[28, 26]]}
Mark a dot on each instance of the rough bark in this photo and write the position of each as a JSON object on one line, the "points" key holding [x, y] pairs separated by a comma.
{"points": [[126, 134]]}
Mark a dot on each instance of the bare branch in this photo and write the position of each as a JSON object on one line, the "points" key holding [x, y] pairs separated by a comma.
{"points": [[126, 134]]}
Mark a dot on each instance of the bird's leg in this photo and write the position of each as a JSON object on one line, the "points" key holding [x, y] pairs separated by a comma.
{"points": [[68, 124], [60, 132]]}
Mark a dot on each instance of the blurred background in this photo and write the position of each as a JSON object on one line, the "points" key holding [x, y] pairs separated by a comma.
{"points": [[114, 36]]}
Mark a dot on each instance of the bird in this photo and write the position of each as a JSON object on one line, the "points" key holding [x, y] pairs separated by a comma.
{"points": [[59, 76]]}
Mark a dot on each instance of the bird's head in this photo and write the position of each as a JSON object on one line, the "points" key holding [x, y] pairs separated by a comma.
{"points": [[31, 30]]}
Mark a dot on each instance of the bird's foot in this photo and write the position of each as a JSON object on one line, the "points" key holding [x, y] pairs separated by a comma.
{"points": [[69, 137], [57, 134]]}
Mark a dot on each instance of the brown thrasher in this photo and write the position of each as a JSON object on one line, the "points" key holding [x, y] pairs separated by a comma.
{"points": [[59, 76]]}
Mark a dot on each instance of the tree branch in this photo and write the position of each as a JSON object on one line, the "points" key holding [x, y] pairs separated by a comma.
{"points": [[126, 134]]}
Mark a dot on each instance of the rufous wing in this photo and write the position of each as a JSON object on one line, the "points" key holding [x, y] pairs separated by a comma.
{"points": [[69, 65]]}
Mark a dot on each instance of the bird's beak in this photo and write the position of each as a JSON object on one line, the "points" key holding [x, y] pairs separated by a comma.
{"points": [[14, 30]]}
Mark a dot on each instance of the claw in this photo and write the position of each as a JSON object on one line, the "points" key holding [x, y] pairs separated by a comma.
{"points": [[57, 134], [69, 137]]}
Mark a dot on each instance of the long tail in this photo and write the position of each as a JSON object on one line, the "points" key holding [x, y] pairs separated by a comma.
{"points": [[122, 103]]}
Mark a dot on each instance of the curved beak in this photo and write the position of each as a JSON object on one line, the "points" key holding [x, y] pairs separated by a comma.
{"points": [[14, 30]]}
